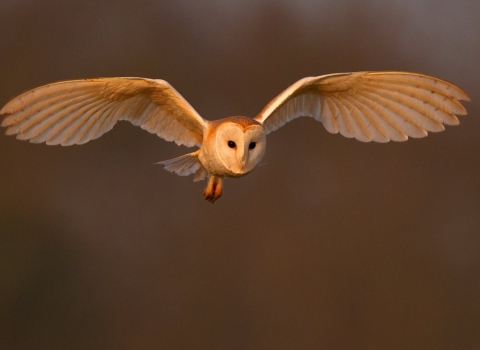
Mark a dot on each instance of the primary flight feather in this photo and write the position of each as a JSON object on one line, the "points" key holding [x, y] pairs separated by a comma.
{"points": [[368, 106]]}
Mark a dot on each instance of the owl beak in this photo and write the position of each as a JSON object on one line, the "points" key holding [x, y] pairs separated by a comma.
{"points": [[241, 158]]}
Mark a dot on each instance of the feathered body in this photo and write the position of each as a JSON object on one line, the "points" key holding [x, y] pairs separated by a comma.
{"points": [[368, 106]]}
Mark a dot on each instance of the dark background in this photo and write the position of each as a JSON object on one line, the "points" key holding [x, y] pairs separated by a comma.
{"points": [[333, 244]]}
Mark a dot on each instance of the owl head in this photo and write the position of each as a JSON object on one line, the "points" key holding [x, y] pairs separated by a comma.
{"points": [[240, 144]]}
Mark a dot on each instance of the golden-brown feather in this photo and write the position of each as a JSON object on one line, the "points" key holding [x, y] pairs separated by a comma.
{"points": [[370, 106], [75, 112]]}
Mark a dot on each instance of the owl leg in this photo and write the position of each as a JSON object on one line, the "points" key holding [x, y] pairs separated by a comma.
{"points": [[214, 189]]}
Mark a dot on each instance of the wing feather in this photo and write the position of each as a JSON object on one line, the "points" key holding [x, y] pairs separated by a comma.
{"points": [[377, 128], [421, 81], [32, 102], [51, 117], [93, 130], [362, 124], [404, 126], [28, 118], [408, 109], [370, 106], [343, 118], [328, 118], [429, 98], [83, 126], [353, 122], [77, 111], [47, 130], [381, 124], [186, 165]]}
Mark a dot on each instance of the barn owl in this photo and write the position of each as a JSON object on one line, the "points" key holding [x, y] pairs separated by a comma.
{"points": [[368, 106]]}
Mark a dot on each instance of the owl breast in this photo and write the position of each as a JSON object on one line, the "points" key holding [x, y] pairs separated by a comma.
{"points": [[233, 146]]}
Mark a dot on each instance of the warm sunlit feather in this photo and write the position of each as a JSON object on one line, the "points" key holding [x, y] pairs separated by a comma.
{"points": [[75, 112], [369, 106]]}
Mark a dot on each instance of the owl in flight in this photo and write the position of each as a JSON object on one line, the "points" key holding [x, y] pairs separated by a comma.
{"points": [[369, 106]]}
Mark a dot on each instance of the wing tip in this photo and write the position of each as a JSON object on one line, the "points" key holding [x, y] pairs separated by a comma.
{"points": [[464, 96], [458, 92], [10, 107], [8, 118], [10, 131], [453, 121]]}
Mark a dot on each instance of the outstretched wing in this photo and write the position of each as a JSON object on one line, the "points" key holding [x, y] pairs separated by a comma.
{"points": [[369, 106], [77, 111]]}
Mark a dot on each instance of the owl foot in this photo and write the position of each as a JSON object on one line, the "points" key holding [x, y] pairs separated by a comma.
{"points": [[214, 189]]}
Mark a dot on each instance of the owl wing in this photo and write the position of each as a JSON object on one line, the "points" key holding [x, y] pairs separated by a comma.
{"points": [[369, 106], [77, 111]]}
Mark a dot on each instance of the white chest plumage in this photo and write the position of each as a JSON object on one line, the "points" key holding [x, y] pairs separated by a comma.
{"points": [[368, 106]]}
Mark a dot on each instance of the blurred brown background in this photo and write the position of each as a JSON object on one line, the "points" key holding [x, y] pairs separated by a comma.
{"points": [[333, 244]]}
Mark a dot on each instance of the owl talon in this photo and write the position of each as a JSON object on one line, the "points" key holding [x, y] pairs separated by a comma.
{"points": [[214, 189]]}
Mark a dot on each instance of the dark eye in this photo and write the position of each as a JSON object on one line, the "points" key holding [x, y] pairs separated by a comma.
{"points": [[252, 145], [231, 144]]}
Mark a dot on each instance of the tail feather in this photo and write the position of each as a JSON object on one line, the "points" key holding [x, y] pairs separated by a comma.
{"points": [[186, 165]]}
